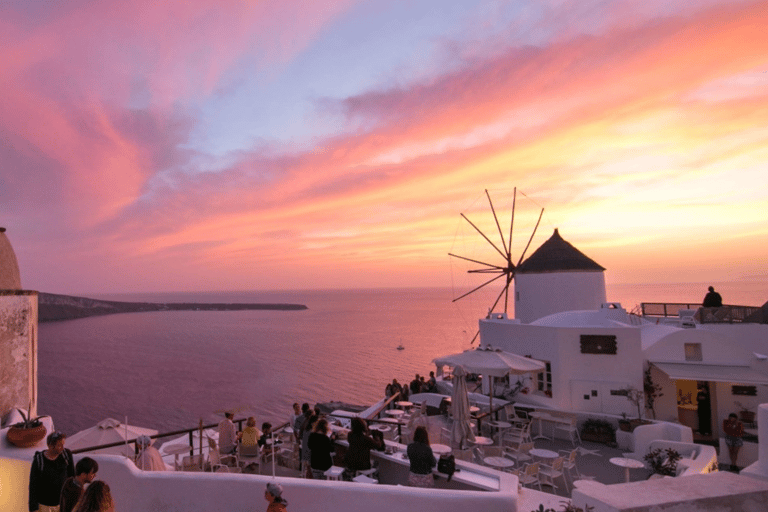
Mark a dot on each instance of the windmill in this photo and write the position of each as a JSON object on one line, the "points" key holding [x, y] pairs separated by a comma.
{"points": [[503, 270]]}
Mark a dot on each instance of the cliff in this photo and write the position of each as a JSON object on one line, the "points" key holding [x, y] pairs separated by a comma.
{"points": [[53, 307]]}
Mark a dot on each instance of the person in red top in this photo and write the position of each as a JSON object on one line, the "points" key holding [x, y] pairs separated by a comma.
{"points": [[734, 430], [274, 496]]}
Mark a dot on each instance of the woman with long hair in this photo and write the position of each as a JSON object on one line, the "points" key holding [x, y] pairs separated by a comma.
{"points": [[96, 498], [422, 460], [320, 446]]}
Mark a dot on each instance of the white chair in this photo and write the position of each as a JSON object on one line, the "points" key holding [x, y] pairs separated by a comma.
{"points": [[569, 464], [250, 455], [548, 474], [192, 463], [520, 455], [571, 429], [516, 436], [216, 466], [530, 475]]}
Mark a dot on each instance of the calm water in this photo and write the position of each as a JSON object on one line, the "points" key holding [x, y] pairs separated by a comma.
{"points": [[167, 370]]}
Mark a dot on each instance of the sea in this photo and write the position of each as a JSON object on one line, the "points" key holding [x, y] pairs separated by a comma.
{"points": [[169, 370]]}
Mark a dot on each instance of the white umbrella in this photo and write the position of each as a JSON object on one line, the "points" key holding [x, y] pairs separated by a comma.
{"points": [[462, 429], [492, 362], [108, 431]]}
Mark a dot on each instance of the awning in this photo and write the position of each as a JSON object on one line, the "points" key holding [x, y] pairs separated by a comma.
{"points": [[712, 372]]}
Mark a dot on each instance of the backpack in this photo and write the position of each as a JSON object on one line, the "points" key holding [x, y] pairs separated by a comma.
{"points": [[447, 465]]}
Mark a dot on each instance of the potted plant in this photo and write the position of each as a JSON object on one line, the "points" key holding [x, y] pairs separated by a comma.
{"points": [[624, 423], [27, 433], [637, 398], [598, 431], [663, 461]]}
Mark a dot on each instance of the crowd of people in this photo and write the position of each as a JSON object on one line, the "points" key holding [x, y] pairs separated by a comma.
{"points": [[418, 385], [57, 484]]}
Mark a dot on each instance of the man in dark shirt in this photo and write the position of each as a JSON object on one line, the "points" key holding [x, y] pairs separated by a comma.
{"points": [[85, 472], [50, 468], [712, 299]]}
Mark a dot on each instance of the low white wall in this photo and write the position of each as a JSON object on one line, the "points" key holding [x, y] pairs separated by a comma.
{"points": [[138, 491]]}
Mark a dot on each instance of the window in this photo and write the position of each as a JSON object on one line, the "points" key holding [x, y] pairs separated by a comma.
{"points": [[544, 380], [693, 352], [598, 344], [744, 390]]}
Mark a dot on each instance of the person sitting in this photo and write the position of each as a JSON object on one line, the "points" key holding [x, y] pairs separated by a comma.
{"points": [[358, 457], [712, 299], [149, 459], [74, 486], [265, 441], [250, 434], [320, 447], [227, 435], [422, 460]]}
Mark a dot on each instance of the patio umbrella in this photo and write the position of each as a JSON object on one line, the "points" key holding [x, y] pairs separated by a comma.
{"points": [[462, 429], [491, 362], [108, 431]]}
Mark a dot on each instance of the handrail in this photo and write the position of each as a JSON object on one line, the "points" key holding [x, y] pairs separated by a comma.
{"points": [[189, 431]]}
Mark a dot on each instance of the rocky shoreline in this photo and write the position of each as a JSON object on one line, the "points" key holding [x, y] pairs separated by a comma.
{"points": [[52, 307]]}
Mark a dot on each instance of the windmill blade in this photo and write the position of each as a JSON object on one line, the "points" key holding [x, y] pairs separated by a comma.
{"points": [[512, 222], [531, 239], [476, 261], [500, 295], [498, 226], [483, 235], [475, 289]]}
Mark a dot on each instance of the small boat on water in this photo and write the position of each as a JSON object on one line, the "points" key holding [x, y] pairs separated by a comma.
{"points": [[400, 347]]}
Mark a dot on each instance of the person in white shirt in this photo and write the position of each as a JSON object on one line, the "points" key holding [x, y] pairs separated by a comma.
{"points": [[149, 459], [227, 435]]}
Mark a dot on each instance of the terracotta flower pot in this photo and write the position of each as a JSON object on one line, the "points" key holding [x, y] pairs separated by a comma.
{"points": [[26, 437]]}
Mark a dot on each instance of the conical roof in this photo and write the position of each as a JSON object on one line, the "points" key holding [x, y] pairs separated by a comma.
{"points": [[10, 279], [557, 255]]}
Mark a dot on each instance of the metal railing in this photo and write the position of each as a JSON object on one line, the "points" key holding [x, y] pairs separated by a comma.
{"points": [[727, 314]]}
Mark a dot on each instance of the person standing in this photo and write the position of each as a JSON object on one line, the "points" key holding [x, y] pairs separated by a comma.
{"points": [[422, 460], [50, 468], [274, 496], [733, 430], [704, 409], [320, 447], [85, 473], [96, 498]]}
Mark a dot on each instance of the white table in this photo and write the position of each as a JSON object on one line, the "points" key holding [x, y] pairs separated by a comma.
{"points": [[501, 463], [394, 412], [500, 426], [482, 441], [626, 463], [440, 449], [538, 416], [541, 453], [176, 450], [404, 404]]}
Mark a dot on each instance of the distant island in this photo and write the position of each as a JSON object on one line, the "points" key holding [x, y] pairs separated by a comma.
{"points": [[53, 307]]}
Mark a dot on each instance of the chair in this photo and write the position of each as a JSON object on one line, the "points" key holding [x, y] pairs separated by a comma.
{"points": [[548, 474], [571, 429], [192, 463], [250, 455], [229, 459], [478, 455], [216, 466], [569, 464], [519, 455], [516, 436], [530, 475]]}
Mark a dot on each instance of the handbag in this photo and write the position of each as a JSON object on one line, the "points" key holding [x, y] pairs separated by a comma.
{"points": [[447, 465]]}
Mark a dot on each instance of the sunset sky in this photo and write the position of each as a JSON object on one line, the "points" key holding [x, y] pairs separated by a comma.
{"points": [[230, 145]]}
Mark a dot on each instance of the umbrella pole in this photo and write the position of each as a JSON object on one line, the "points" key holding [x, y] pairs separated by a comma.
{"points": [[200, 451], [126, 434]]}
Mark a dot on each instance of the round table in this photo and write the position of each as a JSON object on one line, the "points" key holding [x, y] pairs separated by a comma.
{"points": [[394, 412], [482, 441], [404, 404], [440, 449], [626, 464], [176, 450], [381, 428], [501, 463], [541, 453], [501, 426], [473, 409]]}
